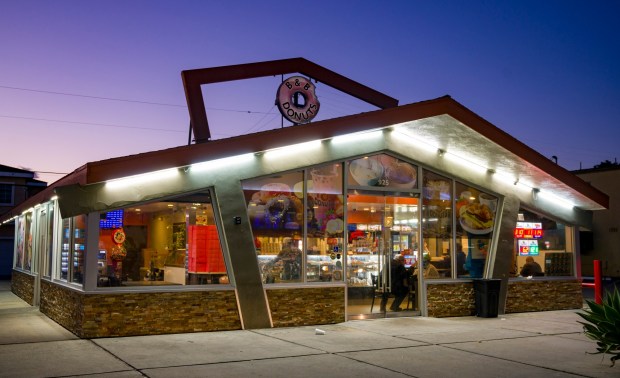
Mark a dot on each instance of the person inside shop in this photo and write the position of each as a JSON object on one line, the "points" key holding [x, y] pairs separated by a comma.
{"points": [[400, 284], [461, 259], [290, 258], [531, 268], [429, 269]]}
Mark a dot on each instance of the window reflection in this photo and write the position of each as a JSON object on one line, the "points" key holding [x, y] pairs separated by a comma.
{"points": [[276, 212], [436, 226]]}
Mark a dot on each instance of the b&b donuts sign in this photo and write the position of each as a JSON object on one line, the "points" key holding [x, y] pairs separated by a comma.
{"points": [[297, 101]]}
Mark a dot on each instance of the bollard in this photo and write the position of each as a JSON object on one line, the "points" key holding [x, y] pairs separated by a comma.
{"points": [[598, 282]]}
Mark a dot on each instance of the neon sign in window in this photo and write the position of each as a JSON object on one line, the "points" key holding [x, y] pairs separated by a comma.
{"points": [[113, 219], [528, 230]]}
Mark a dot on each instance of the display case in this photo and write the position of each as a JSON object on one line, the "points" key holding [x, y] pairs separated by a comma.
{"points": [[322, 268], [558, 264], [361, 267]]}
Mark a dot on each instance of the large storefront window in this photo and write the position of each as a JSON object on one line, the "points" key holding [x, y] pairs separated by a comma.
{"points": [[47, 261], [42, 236], [23, 256], [437, 226], [173, 242], [325, 224], [475, 220], [73, 248], [276, 211], [541, 247], [19, 242]]}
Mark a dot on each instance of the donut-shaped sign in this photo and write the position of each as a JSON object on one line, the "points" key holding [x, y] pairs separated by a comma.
{"points": [[296, 100], [118, 236]]}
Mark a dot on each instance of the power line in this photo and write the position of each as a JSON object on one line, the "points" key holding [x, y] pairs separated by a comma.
{"points": [[122, 99], [92, 123], [89, 96], [52, 173]]}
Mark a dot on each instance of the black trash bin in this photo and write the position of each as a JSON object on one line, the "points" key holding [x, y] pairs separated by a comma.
{"points": [[487, 297]]}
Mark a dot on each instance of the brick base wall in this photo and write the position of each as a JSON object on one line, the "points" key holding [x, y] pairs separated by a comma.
{"points": [[130, 314], [450, 299], [22, 285], [306, 306], [536, 295]]}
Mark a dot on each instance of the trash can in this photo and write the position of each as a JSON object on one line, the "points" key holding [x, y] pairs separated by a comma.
{"points": [[487, 297]]}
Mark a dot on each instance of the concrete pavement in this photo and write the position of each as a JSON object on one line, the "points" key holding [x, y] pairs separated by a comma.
{"points": [[549, 344]]}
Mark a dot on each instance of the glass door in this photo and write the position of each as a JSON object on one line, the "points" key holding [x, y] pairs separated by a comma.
{"points": [[383, 235]]}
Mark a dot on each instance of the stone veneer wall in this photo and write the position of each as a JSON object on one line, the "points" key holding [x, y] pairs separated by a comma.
{"points": [[306, 306], [450, 299], [129, 314], [22, 285], [62, 305], [540, 295]]}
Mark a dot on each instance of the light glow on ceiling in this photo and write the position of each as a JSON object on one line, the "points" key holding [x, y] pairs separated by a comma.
{"points": [[220, 163], [141, 179], [293, 149], [357, 137]]}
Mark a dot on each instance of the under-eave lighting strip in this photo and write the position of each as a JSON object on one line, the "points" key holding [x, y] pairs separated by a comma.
{"points": [[293, 149], [144, 178], [484, 169]]}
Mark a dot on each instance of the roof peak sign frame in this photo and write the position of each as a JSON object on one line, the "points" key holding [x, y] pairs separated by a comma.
{"points": [[193, 79]]}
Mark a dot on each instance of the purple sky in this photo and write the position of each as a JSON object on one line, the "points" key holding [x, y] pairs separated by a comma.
{"points": [[546, 72]]}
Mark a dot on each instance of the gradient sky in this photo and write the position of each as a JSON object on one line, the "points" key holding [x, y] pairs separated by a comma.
{"points": [[82, 81]]}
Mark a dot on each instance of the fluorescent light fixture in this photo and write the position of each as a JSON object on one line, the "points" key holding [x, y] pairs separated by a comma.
{"points": [[357, 137], [142, 179], [220, 163], [293, 149], [550, 197]]}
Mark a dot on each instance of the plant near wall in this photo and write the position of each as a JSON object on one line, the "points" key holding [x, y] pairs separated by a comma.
{"points": [[604, 324]]}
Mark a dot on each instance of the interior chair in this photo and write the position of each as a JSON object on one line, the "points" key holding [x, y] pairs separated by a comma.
{"points": [[377, 291]]}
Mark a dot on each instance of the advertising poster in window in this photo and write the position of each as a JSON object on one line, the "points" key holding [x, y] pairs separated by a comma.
{"points": [[274, 203], [475, 213], [382, 171], [325, 201]]}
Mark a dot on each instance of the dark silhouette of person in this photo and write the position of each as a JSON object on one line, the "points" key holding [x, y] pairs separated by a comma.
{"points": [[400, 284], [531, 268]]}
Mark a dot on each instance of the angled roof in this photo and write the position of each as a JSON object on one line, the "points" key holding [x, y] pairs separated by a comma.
{"points": [[449, 124]]}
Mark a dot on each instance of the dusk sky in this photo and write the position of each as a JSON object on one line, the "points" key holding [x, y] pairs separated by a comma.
{"points": [[83, 81]]}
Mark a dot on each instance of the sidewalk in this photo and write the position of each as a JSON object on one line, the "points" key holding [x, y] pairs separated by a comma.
{"points": [[547, 344]]}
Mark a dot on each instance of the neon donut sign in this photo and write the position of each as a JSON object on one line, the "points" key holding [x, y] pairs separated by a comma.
{"points": [[296, 100]]}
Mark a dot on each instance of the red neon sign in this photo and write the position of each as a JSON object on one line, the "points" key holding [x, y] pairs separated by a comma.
{"points": [[528, 233]]}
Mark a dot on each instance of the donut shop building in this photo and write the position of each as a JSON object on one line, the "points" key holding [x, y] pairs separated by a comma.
{"points": [[303, 225]]}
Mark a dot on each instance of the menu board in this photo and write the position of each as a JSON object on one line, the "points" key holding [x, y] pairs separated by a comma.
{"points": [[111, 219], [528, 230], [528, 247]]}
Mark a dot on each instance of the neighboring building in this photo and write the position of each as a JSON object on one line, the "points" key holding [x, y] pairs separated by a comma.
{"points": [[16, 185], [302, 225], [602, 241]]}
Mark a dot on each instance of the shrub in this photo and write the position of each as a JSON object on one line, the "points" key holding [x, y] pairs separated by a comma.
{"points": [[604, 324]]}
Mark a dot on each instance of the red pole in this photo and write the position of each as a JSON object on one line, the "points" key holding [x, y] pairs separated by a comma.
{"points": [[598, 282]]}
